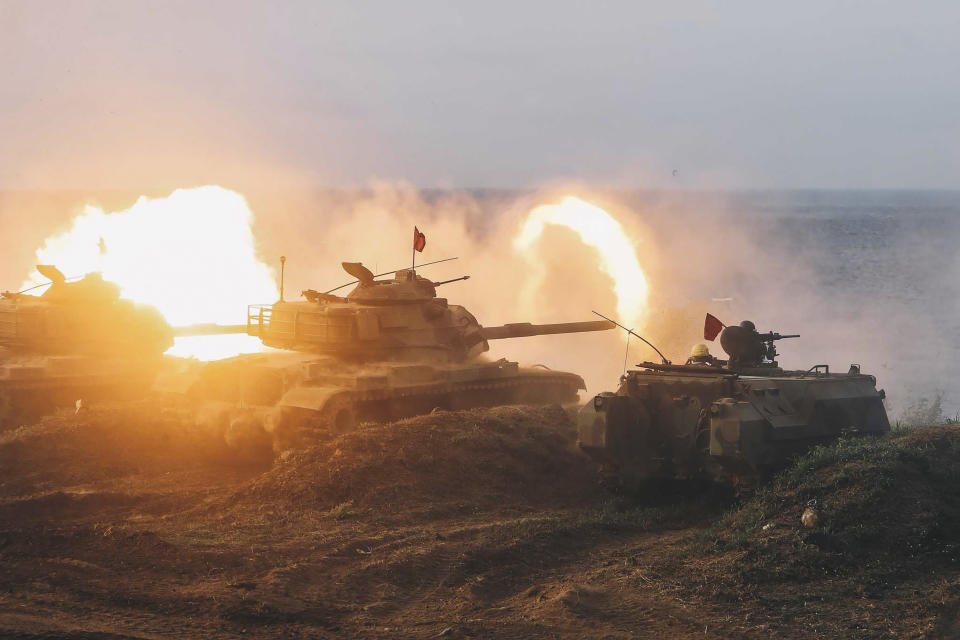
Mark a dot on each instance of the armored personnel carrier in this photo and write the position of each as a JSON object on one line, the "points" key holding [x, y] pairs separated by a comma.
{"points": [[735, 419], [76, 342], [389, 349]]}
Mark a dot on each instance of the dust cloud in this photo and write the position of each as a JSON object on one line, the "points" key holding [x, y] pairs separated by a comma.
{"points": [[688, 258], [557, 280], [859, 278]]}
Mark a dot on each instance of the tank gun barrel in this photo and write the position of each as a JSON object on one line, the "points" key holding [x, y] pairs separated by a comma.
{"points": [[208, 329], [772, 335], [524, 329]]}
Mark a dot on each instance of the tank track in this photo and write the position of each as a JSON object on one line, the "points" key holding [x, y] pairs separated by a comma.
{"points": [[522, 389], [299, 428], [348, 406]]}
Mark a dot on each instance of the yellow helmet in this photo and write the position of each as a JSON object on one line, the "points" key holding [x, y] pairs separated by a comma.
{"points": [[699, 351]]}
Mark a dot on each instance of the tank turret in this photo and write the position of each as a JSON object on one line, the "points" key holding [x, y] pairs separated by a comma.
{"points": [[748, 348], [397, 319], [84, 317]]}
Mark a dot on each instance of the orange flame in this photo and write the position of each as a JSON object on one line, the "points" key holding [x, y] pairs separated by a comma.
{"points": [[601, 231], [191, 255]]}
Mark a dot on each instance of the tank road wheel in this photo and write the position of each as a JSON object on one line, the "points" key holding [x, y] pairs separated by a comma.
{"points": [[282, 423], [246, 434], [295, 427], [338, 416], [7, 412]]}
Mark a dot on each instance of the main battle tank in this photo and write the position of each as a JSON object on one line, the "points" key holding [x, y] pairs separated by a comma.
{"points": [[389, 349], [79, 341], [728, 420]]}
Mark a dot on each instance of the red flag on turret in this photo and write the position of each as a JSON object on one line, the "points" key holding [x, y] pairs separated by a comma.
{"points": [[419, 240], [711, 327]]}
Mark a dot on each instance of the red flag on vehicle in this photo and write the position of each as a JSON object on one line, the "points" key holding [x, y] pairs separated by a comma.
{"points": [[711, 327], [419, 240]]}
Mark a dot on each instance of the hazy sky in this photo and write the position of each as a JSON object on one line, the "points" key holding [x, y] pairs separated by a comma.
{"points": [[732, 94]]}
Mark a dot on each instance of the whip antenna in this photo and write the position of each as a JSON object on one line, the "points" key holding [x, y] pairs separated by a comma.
{"points": [[386, 273], [626, 352], [44, 284], [630, 332]]}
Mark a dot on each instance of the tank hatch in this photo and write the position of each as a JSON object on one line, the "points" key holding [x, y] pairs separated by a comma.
{"points": [[405, 286]]}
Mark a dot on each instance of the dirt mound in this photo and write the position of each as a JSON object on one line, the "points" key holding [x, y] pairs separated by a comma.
{"points": [[898, 496], [882, 522], [102, 445], [461, 459]]}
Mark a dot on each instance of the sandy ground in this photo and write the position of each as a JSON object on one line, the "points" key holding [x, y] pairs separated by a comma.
{"points": [[127, 522]]}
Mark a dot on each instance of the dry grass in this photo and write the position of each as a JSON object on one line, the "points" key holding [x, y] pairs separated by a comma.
{"points": [[883, 556]]}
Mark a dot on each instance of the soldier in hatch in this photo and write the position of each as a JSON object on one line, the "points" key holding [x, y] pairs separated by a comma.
{"points": [[700, 355]]}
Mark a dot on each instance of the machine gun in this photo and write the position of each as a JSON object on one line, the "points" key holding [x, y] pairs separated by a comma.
{"points": [[770, 336], [747, 347]]}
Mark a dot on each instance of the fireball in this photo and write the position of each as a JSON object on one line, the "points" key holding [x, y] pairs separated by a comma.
{"points": [[191, 255], [599, 230]]}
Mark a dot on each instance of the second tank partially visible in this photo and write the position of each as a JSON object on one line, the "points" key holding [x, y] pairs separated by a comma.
{"points": [[77, 342]]}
